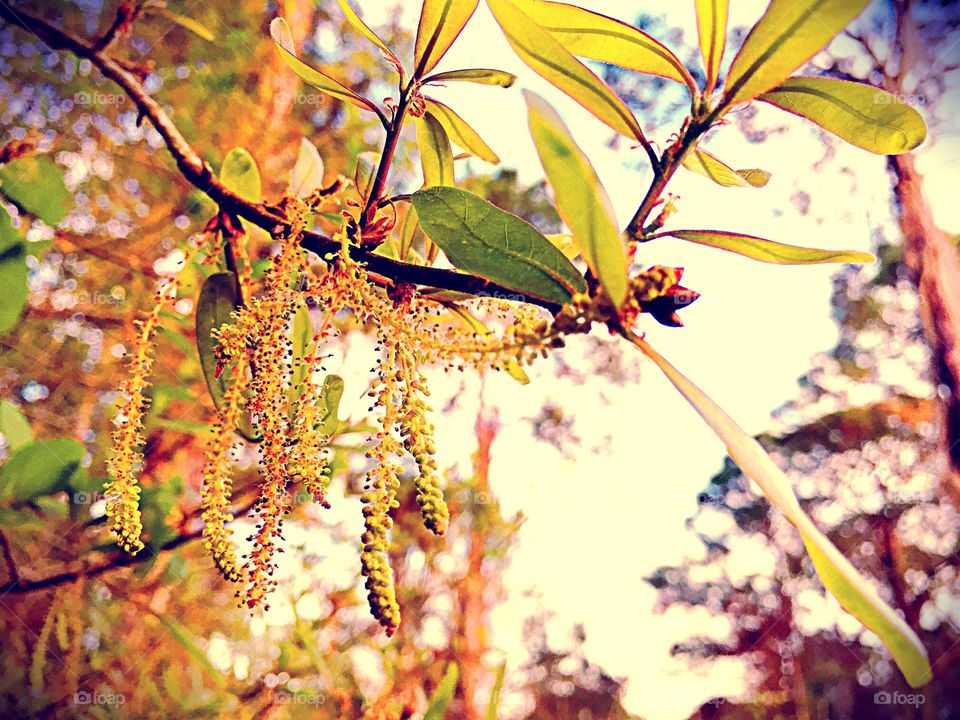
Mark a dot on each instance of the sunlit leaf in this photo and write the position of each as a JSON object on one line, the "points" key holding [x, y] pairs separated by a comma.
{"points": [[436, 156], [219, 297], [409, 233], [35, 184], [440, 700], [361, 27], [472, 323], [547, 57], [862, 115], [789, 33], [14, 426], [712, 29], [768, 251], [187, 23], [481, 76], [281, 35], [581, 199], [240, 174], [301, 343], [854, 593], [40, 467], [307, 173], [565, 243], [365, 172], [13, 273], [493, 705], [330, 395], [482, 239], [441, 22], [703, 163], [598, 37], [460, 133]]}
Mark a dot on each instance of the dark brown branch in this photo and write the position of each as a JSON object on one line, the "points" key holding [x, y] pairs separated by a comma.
{"points": [[8, 559], [199, 173]]}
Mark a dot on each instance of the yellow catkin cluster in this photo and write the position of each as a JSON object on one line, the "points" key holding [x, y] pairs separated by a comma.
{"points": [[126, 460]]}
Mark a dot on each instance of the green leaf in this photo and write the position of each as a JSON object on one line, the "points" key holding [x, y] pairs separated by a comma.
{"points": [[441, 22], [187, 23], [330, 395], [307, 174], [440, 700], [281, 35], [240, 174], [789, 33], [712, 29], [493, 706], [481, 76], [40, 467], [605, 39], [581, 199], [768, 251], [862, 115], [364, 29], [14, 426], [703, 163], [365, 172], [301, 340], [219, 297], [854, 593], [13, 273], [487, 241], [472, 323], [545, 55], [459, 132], [35, 184], [436, 156]]}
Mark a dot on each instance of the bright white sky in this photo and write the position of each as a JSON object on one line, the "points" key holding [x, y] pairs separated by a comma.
{"points": [[597, 524]]}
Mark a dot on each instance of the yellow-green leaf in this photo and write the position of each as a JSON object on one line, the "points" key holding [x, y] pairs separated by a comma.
{"points": [[460, 132], [768, 251], [240, 174], [441, 21], [307, 174], [436, 156], [330, 394], [789, 33], [187, 23], [361, 27], [281, 35], [35, 184], [581, 199], [544, 54], [481, 76], [472, 323], [862, 115], [365, 172], [854, 593], [493, 705], [598, 37], [14, 426], [703, 163], [712, 28]]}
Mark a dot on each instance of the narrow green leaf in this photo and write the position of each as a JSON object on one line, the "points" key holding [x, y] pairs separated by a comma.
{"points": [[581, 199], [40, 467], [472, 323], [364, 29], [219, 297], [703, 163], [365, 172], [13, 273], [547, 57], [14, 426], [487, 241], [330, 395], [410, 233], [768, 251], [460, 132], [862, 115], [441, 22], [307, 173], [480, 76], [187, 23], [188, 641], [712, 29], [240, 174], [493, 706], [854, 593], [436, 156], [789, 33], [281, 35], [301, 341], [440, 700], [598, 37], [35, 184]]}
